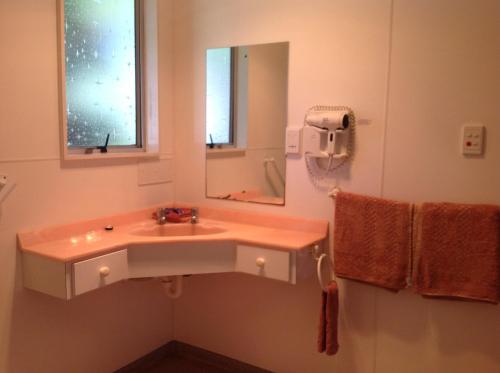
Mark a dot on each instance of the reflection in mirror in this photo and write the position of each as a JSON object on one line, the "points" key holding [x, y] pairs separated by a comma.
{"points": [[246, 111]]}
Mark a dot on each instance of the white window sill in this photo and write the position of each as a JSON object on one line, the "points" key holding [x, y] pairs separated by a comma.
{"points": [[225, 152], [110, 155]]}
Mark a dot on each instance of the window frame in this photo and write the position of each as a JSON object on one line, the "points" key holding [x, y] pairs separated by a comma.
{"points": [[232, 92], [147, 131]]}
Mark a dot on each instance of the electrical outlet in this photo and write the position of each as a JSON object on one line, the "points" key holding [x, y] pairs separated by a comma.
{"points": [[473, 139]]}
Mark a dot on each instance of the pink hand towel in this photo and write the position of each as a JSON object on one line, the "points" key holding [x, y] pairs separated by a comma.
{"points": [[457, 251], [328, 320], [372, 238]]}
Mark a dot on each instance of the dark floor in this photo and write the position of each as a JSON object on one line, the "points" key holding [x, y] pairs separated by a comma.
{"points": [[179, 364], [180, 357]]}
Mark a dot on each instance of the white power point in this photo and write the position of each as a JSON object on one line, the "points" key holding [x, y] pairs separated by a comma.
{"points": [[473, 139], [293, 140]]}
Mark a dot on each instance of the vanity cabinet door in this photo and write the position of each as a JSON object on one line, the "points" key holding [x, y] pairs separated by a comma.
{"points": [[263, 262], [100, 271]]}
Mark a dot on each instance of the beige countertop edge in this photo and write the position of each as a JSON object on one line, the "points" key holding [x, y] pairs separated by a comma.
{"points": [[102, 250]]}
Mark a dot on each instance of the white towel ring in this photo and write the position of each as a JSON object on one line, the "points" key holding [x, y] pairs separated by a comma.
{"points": [[318, 269]]}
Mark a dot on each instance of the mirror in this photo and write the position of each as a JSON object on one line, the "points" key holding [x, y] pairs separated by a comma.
{"points": [[246, 115]]}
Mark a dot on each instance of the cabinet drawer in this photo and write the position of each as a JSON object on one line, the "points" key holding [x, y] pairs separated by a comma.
{"points": [[263, 262], [101, 271]]}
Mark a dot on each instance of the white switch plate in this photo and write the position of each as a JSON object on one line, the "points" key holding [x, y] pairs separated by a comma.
{"points": [[6, 186], [293, 140], [154, 172], [473, 139]]}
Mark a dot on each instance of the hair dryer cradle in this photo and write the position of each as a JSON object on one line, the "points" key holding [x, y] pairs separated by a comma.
{"points": [[327, 132]]}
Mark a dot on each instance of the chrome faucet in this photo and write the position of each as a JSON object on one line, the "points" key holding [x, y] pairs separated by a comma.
{"points": [[161, 216], [194, 215]]}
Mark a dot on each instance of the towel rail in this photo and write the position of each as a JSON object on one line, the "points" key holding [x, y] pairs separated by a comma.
{"points": [[322, 257]]}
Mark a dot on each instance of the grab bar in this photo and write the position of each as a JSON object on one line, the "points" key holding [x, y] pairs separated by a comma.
{"points": [[318, 269]]}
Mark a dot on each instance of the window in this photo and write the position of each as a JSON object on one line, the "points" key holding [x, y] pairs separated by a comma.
{"points": [[219, 106], [102, 74]]}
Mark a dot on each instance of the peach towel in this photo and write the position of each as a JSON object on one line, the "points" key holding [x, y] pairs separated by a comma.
{"points": [[328, 320], [372, 238], [457, 251]]}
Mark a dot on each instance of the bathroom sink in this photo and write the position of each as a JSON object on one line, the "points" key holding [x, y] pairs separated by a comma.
{"points": [[171, 230]]}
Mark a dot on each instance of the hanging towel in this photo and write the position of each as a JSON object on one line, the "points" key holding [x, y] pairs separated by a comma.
{"points": [[372, 240], [457, 251], [328, 320]]}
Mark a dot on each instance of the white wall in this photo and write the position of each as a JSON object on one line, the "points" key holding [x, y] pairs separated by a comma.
{"points": [[268, 323], [413, 81], [414, 72], [103, 330], [445, 72]]}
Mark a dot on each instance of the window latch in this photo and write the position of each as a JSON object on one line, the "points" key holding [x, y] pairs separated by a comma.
{"points": [[211, 145], [104, 149]]}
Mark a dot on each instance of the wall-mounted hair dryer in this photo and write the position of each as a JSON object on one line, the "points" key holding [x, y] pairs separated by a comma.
{"points": [[326, 133]]}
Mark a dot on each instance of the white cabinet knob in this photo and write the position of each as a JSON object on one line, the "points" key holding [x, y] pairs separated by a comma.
{"points": [[104, 271], [260, 262]]}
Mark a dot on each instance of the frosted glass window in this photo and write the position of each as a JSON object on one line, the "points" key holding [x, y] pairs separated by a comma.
{"points": [[219, 113], [101, 72]]}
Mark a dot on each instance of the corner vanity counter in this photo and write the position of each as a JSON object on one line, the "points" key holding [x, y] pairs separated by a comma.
{"points": [[70, 260]]}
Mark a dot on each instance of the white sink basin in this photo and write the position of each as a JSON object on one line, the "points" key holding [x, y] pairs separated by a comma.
{"points": [[170, 230]]}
